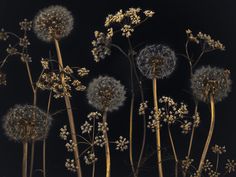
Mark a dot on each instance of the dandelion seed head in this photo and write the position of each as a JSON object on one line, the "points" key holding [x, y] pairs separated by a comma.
{"points": [[211, 80], [156, 61], [26, 123], [53, 22], [106, 92]]}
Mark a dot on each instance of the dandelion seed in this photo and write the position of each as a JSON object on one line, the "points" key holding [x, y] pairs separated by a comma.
{"points": [[211, 80], [53, 22], [156, 61], [106, 93], [26, 123]]}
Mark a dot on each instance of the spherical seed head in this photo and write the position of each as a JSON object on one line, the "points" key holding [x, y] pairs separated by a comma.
{"points": [[209, 80], [106, 93], [26, 123], [53, 22], [156, 61]]}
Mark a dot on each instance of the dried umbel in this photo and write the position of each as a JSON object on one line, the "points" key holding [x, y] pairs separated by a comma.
{"points": [[106, 92], [53, 22], [211, 80], [156, 61], [25, 123]]}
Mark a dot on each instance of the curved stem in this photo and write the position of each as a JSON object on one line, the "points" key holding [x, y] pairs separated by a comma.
{"points": [[131, 136], [192, 133], [144, 116], [158, 130], [188, 57], [69, 112], [107, 147], [24, 159], [210, 133]]}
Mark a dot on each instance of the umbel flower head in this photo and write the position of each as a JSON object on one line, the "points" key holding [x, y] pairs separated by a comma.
{"points": [[106, 93], [26, 123], [53, 22], [156, 61], [209, 80]]}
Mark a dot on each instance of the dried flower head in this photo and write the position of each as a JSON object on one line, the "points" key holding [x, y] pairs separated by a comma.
{"points": [[106, 92], [211, 80], [230, 166], [156, 61], [101, 45], [26, 123], [26, 25], [121, 144], [53, 22], [218, 149]]}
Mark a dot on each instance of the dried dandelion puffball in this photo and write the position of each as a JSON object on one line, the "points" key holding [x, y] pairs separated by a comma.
{"points": [[156, 61], [211, 80], [106, 93], [25, 123], [53, 22]]}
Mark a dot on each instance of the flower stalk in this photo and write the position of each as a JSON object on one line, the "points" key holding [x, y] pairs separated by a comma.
{"points": [[158, 130], [210, 133], [69, 111]]}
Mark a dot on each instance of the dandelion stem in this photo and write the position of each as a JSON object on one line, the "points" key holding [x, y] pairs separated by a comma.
{"points": [[69, 112], [210, 133], [44, 158], [25, 159], [32, 158], [158, 130], [107, 147]]}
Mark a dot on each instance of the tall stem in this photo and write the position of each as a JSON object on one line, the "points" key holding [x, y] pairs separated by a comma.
{"points": [[134, 69], [24, 159], [32, 158], [131, 136], [210, 133], [44, 158], [107, 147], [192, 133], [174, 151], [44, 141], [34, 90], [69, 112], [158, 131], [93, 136]]}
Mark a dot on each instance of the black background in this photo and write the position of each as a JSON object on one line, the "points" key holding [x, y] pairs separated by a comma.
{"points": [[168, 26]]}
